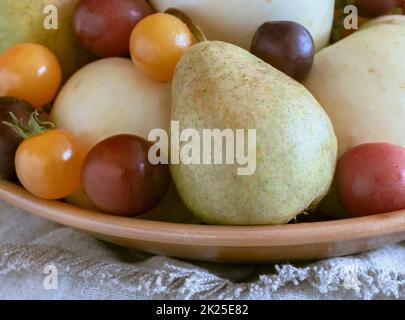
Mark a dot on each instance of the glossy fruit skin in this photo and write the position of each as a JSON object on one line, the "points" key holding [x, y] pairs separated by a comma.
{"points": [[370, 179], [30, 72], [48, 165], [119, 179], [9, 140], [287, 46], [376, 8], [104, 27], [157, 44]]}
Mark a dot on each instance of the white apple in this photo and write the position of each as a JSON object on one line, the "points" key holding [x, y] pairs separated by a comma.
{"points": [[360, 82], [108, 97], [236, 21]]}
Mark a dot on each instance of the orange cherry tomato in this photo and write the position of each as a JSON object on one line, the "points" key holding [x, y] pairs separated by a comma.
{"points": [[48, 165], [30, 72], [157, 43]]}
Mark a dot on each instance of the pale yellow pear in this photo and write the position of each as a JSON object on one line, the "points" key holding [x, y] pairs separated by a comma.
{"points": [[218, 86]]}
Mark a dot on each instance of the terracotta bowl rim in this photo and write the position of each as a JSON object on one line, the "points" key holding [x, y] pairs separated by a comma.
{"points": [[204, 235]]}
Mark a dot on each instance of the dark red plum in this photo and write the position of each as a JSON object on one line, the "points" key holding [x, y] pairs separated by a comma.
{"points": [[287, 46], [104, 26], [119, 179], [9, 140]]}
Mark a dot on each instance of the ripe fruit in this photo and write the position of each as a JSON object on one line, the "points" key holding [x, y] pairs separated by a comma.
{"points": [[361, 112], [287, 46], [108, 97], [119, 179], [26, 21], [104, 27], [157, 43], [30, 72], [9, 140], [370, 179], [48, 161], [235, 21], [219, 85]]}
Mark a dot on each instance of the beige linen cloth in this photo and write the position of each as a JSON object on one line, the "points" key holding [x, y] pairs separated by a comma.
{"points": [[87, 268]]}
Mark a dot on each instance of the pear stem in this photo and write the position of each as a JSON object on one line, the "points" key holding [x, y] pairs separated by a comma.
{"points": [[195, 30], [33, 128]]}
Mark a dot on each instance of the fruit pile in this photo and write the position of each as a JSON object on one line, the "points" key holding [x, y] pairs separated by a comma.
{"points": [[78, 103]]}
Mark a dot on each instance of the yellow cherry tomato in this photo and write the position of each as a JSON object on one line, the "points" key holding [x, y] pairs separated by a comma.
{"points": [[48, 165], [157, 44], [30, 72]]}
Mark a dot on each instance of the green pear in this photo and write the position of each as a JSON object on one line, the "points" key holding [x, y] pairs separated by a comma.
{"points": [[220, 86], [23, 21]]}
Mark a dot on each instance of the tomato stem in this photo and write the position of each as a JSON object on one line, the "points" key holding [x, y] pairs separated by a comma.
{"points": [[33, 128]]}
